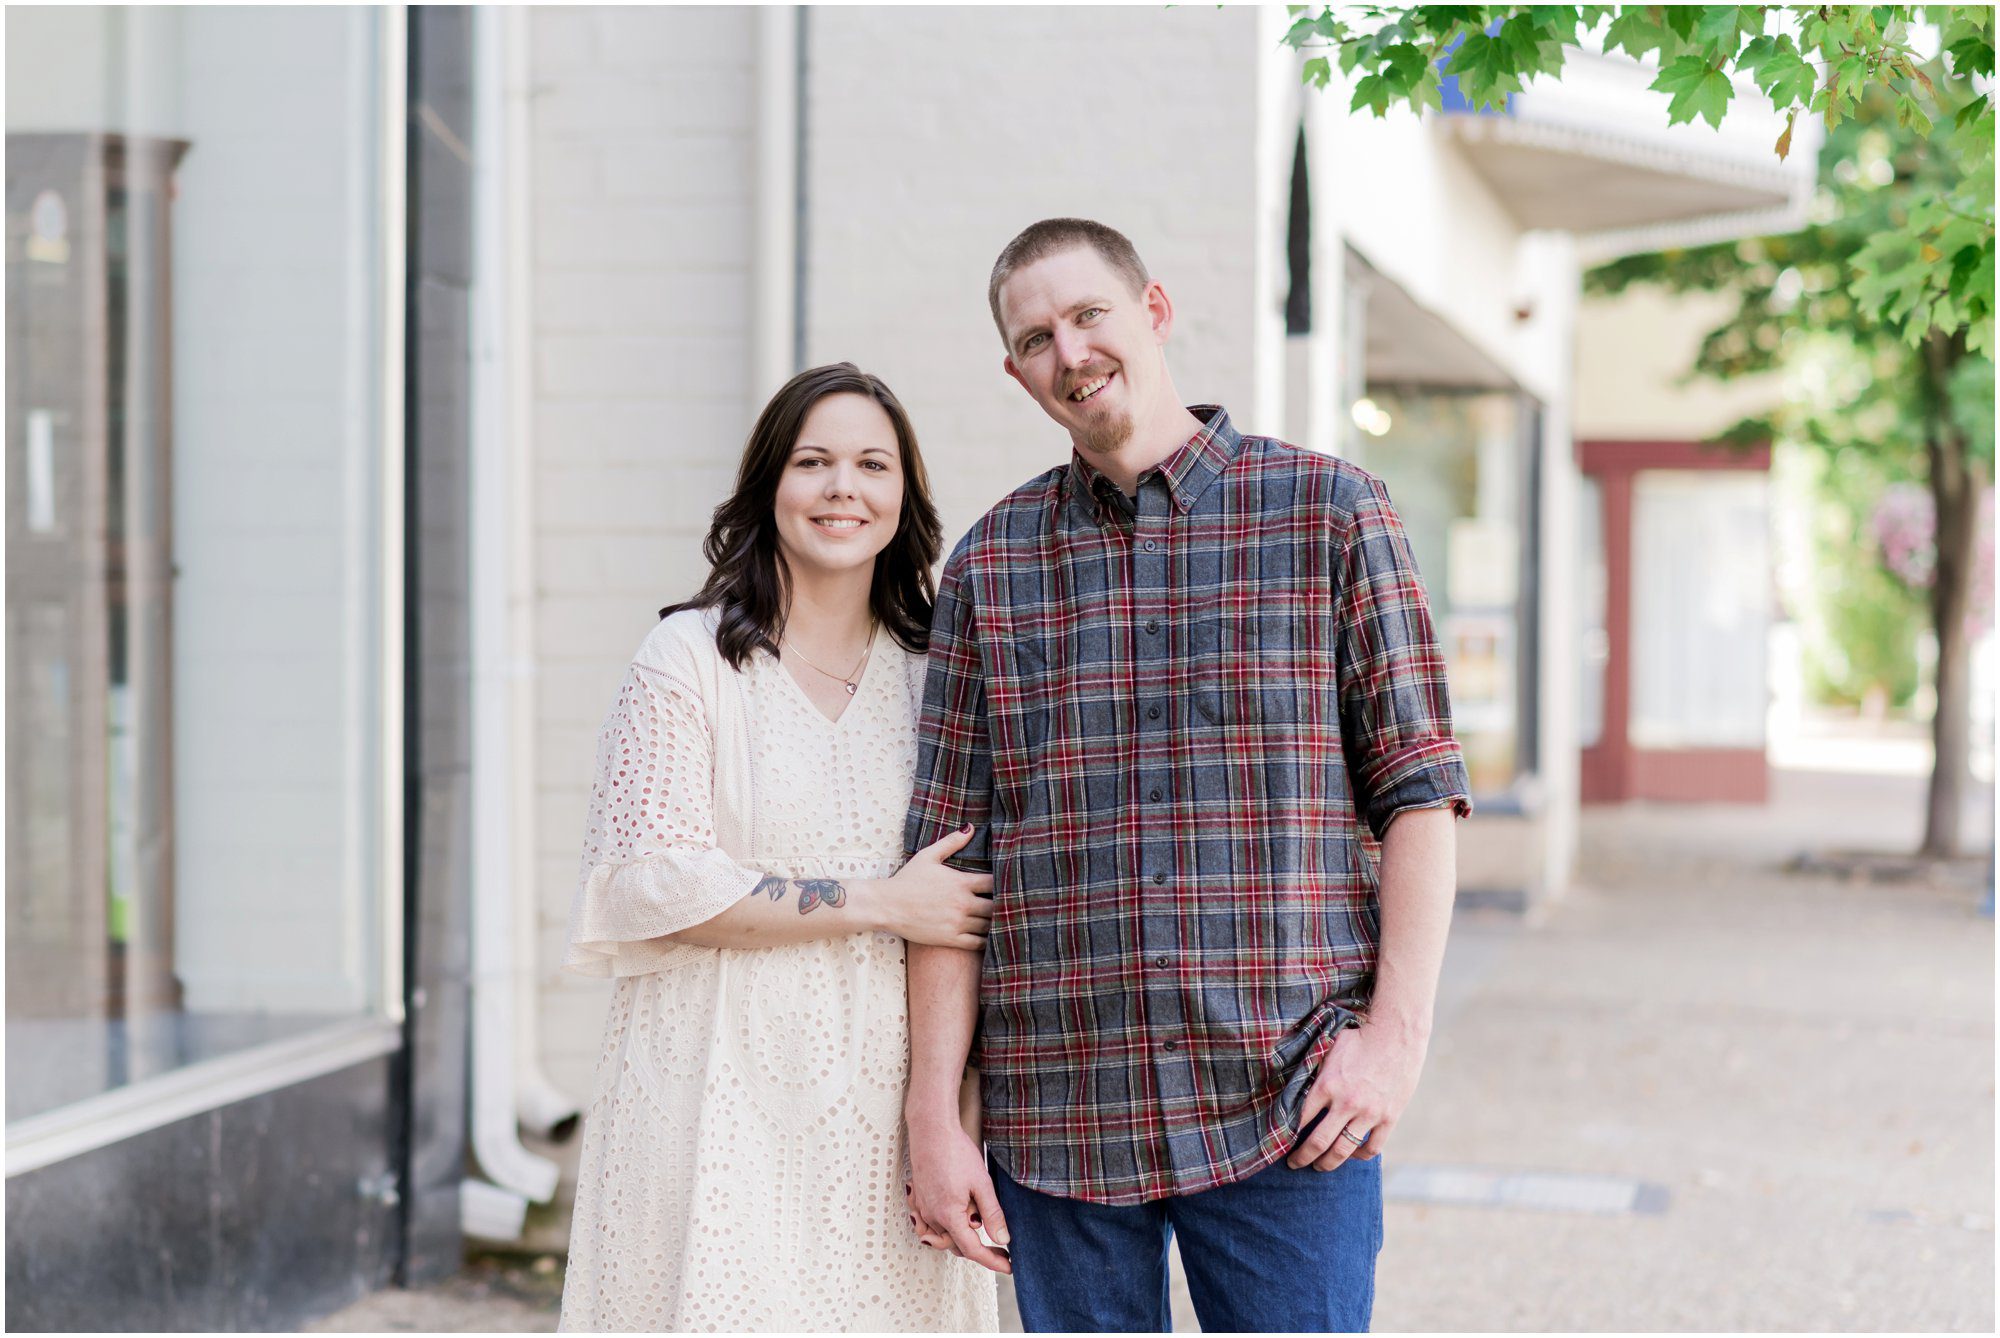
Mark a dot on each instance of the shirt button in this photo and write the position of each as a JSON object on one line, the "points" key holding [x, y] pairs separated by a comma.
{"points": [[1152, 624], [1159, 878], [1150, 545], [1156, 796], [1161, 960], [1152, 713], [1171, 1045]]}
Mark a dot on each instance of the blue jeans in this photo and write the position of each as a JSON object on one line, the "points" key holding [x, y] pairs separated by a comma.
{"points": [[1282, 1250]]}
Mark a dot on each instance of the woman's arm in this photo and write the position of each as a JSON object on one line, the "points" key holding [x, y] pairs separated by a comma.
{"points": [[925, 902], [654, 880]]}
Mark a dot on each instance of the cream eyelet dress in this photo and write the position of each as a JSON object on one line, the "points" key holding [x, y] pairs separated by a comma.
{"points": [[743, 1153]]}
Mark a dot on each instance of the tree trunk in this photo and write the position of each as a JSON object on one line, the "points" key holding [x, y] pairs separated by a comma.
{"points": [[1955, 499]]}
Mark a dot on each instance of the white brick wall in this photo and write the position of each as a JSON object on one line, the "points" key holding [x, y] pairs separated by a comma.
{"points": [[937, 134], [931, 141], [641, 196]]}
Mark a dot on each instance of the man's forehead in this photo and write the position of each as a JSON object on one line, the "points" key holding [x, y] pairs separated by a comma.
{"points": [[1059, 279]]}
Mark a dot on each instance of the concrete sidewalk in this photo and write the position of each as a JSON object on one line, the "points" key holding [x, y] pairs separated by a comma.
{"points": [[1798, 1069], [1701, 1092]]}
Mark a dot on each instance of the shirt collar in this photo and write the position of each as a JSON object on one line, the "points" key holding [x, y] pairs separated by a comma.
{"points": [[1195, 464]]}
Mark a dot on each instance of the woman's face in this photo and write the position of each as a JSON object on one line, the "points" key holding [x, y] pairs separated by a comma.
{"points": [[841, 495]]}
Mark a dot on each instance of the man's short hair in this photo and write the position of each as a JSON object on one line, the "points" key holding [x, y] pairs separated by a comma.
{"points": [[1046, 238]]}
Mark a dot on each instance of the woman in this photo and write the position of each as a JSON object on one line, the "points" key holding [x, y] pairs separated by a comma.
{"points": [[743, 1158]]}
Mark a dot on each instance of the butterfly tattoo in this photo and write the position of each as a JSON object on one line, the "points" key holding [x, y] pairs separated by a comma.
{"points": [[819, 892], [812, 891]]}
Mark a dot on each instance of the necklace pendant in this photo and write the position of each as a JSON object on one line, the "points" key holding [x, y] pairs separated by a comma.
{"points": [[853, 688]]}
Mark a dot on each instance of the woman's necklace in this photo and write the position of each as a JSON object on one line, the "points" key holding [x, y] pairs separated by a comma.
{"points": [[850, 680]]}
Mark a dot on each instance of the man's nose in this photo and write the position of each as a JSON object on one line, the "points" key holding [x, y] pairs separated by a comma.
{"points": [[1072, 348]]}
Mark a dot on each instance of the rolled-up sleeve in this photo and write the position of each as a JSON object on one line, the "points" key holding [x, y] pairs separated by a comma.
{"points": [[954, 781], [1395, 708]]}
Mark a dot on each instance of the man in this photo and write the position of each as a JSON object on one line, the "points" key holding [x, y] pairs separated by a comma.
{"points": [[1181, 687]]}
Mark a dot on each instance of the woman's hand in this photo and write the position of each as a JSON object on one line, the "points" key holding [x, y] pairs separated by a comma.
{"points": [[929, 902]]}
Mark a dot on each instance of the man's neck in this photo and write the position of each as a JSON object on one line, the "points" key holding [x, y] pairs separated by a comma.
{"points": [[1150, 443]]}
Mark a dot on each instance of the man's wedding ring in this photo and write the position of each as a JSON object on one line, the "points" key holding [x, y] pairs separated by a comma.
{"points": [[1351, 1137]]}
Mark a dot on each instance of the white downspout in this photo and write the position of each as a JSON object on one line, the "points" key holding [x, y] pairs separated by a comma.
{"points": [[495, 1139], [774, 268], [542, 1107]]}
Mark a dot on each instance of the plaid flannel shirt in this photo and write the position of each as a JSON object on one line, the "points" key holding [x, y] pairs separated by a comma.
{"points": [[1180, 725]]}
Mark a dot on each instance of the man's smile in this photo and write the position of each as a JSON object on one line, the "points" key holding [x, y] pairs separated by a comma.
{"points": [[1090, 388]]}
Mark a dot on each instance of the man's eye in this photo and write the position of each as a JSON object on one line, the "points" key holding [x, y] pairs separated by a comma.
{"points": [[1034, 341], [1092, 313]]}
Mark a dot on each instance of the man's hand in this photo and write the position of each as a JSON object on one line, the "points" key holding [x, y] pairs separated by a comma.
{"points": [[1366, 1082], [952, 1196]]}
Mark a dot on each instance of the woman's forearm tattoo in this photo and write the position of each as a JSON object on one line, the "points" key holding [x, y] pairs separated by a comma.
{"points": [[812, 891]]}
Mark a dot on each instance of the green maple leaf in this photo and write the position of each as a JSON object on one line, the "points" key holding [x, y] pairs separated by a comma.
{"points": [[1695, 89], [1636, 34], [1429, 90], [1719, 26], [1485, 72], [1971, 55], [1786, 77], [1407, 62], [1373, 92]]}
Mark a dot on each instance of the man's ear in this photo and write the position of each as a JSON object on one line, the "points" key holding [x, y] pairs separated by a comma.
{"points": [[1159, 311], [1007, 365]]}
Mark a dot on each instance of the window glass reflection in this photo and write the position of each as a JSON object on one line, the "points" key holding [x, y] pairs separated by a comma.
{"points": [[193, 537]]}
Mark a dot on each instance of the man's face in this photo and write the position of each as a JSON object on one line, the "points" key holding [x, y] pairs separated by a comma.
{"points": [[1085, 345]]}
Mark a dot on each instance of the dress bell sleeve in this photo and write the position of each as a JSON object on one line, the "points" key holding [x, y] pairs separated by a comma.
{"points": [[650, 863]]}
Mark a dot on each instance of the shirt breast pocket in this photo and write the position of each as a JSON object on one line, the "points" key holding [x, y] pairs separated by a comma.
{"points": [[1249, 667]]}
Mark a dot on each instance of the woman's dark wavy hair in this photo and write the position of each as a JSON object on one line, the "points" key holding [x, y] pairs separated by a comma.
{"points": [[746, 579]]}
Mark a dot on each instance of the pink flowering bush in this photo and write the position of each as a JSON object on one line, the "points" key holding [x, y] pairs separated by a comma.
{"points": [[1904, 528]]}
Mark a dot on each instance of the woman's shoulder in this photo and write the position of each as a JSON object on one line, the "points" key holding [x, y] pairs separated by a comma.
{"points": [[680, 646], [913, 666]]}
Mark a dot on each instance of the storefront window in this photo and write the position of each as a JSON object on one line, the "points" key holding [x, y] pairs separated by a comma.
{"points": [[1699, 627], [1456, 466], [195, 537]]}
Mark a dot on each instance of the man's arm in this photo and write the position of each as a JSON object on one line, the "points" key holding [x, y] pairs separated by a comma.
{"points": [[1409, 783], [1371, 1073], [951, 1192]]}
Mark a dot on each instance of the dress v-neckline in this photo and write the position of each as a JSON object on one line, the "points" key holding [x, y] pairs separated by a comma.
{"points": [[860, 685]]}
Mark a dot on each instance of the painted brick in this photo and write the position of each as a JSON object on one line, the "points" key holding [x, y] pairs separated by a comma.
{"points": [[644, 237], [654, 38], [608, 366], [590, 432], [564, 38], [698, 97], [618, 301], [632, 499]]}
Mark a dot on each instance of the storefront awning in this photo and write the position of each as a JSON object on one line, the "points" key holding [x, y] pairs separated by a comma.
{"points": [[1592, 154]]}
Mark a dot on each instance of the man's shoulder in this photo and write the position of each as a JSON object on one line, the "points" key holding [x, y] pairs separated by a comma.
{"points": [[1024, 513], [1339, 486]]}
